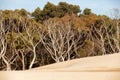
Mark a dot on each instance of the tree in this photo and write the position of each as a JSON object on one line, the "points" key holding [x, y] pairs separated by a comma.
{"points": [[49, 10], [116, 15], [117, 24], [59, 40], [37, 14], [3, 45], [65, 8], [31, 38], [87, 11], [74, 9], [23, 13]]}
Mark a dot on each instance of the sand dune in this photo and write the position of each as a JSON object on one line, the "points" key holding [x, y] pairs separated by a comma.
{"points": [[105, 67], [104, 63]]}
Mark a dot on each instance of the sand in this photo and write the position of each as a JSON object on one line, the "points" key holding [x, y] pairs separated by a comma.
{"points": [[106, 67]]}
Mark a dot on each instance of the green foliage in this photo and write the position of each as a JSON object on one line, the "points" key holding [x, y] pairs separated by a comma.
{"points": [[50, 11], [87, 11], [66, 8], [86, 50], [36, 14]]}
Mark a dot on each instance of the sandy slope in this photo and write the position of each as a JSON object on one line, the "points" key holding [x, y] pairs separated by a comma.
{"points": [[99, 63], [92, 68]]}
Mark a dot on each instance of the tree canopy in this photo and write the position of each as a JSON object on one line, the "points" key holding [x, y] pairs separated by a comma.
{"points": [[50, 10], [87, 11]]}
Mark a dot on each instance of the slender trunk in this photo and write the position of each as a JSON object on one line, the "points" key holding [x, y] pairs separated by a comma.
{"points": [[34, 57]]}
